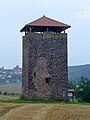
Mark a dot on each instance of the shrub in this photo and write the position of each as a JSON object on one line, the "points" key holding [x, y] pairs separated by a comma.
{"points": [[22, 97]]}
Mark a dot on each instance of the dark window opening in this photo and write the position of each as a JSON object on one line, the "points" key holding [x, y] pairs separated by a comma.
{"points": [[47, 80], [34, 74], [51, 56]]}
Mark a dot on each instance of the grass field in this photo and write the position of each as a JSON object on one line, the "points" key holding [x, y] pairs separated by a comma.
{"points": [[10, 88], [28, 111]]}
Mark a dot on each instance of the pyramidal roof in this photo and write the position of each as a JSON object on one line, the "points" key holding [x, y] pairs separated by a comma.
{"points": [[45, 22]]}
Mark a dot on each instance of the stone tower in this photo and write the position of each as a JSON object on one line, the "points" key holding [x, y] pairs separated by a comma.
{"points": [[45, 69]]}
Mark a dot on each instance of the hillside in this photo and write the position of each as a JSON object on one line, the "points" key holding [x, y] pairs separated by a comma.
{"points": [[11, 88], [15, 75], [10, 75], [75, 72]]}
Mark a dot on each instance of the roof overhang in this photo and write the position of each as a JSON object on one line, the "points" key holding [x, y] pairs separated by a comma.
{"points": [[43, 24], [44, 28]]}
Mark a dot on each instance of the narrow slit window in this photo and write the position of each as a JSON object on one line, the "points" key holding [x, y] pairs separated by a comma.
{"points": [[34, 74], [47, 80]]}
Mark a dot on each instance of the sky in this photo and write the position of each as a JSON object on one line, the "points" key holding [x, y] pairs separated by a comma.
{"points": [[14, 14]]}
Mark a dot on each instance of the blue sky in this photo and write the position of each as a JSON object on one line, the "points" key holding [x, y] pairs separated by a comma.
{"points": [[14, 14]]}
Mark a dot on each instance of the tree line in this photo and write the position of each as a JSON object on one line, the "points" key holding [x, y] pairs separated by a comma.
{"points": [[82, 89]]}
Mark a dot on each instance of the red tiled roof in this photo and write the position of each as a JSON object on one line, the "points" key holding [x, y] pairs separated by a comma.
{"points": [[45, 21]]}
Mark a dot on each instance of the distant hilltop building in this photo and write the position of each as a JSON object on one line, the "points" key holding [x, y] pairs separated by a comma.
{"points": [[17, 69], [45, 69], [11, 75]]}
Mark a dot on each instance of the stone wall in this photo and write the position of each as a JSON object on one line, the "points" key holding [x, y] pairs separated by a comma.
{"points": [[45, 73]]}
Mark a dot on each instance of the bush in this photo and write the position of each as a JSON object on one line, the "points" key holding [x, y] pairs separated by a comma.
{"points": [[5, 93], [79, 100], [83, 91], [22, 97]]}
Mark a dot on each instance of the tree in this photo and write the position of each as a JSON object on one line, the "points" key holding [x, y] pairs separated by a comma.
{"points": [[71, 85], [83, 91]]}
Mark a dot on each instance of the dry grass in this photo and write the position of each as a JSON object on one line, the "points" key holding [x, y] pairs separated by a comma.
{"points": [[27, 111], [5, 97], [11, 88], [6, 107], [44, 112]]}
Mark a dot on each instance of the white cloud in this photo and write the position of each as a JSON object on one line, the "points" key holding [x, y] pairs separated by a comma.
{"points": [[85, 14]]}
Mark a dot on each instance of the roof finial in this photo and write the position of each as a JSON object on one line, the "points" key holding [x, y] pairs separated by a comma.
{"points": [[44, 15]]}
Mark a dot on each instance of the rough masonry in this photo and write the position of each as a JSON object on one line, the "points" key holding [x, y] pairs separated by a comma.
{"points": [[45, 72]]}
